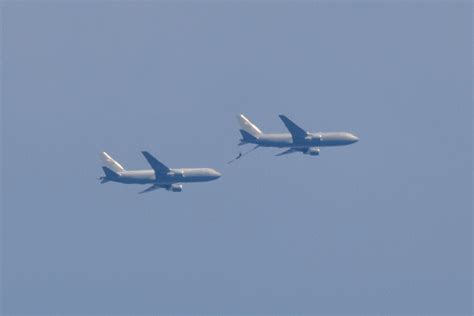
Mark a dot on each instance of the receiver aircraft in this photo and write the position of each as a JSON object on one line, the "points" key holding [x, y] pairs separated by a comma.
{"points": [[160, 176], [297, 140]]}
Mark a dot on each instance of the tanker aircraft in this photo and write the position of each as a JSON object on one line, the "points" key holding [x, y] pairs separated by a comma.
{"points": [[297, 140]]}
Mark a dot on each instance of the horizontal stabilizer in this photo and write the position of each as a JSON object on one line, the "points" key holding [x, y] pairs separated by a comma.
{"points": [[110, 174], [158, 166], [246, 137]]}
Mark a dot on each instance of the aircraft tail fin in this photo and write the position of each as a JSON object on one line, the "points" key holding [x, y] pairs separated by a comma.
{"points": [[111, 163], [248, 126]]}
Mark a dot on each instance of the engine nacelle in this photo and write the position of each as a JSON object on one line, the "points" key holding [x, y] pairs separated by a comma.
{"points": [[176, 188], [313, 151]]}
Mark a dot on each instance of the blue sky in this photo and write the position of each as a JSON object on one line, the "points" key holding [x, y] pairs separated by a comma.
{"points": [[382, 226]]}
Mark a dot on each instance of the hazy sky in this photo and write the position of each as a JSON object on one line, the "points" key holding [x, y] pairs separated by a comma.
{"points": [[382, 226]]}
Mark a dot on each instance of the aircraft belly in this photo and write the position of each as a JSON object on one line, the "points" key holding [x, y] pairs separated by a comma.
{"points": [[164, 180], [197, 179], [176, 178], [300, 146], [272, 143], [329, 143], [287, 142], [134, 180]]}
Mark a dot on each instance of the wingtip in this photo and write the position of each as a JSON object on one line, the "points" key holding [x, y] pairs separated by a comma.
{"points": [[146, 154], [283, 117]]}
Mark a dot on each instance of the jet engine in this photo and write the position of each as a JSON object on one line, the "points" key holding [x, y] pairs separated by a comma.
{"points": [[313, 151], [176, 188]]}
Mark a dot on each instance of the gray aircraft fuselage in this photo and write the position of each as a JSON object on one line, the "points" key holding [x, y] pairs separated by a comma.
{"points": [[160, 176], [285, 140], [174, 176]]}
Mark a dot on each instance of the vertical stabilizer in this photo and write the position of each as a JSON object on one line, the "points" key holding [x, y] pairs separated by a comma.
{"points": [[248, 126], [111, 163]]}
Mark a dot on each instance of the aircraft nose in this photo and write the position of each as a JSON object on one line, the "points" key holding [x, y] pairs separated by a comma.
{"points": [[354, 138], [216, 174]]}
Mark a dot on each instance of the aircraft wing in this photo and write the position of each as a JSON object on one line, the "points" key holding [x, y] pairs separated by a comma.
{"points": [[296, 132], [154, 187], [286, 152], [155, 163]]}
